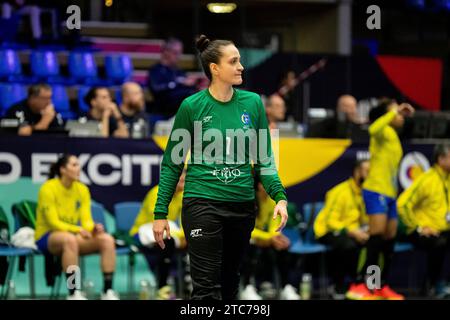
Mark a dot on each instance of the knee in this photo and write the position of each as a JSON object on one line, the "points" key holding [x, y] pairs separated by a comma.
{"points": [[70, 243], [106, 241]]}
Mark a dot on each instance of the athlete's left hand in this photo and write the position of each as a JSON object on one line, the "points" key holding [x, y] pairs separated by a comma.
{"points": [[281, 209], [99, 228]]}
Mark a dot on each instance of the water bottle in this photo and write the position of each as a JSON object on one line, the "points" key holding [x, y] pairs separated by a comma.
{"points": [[11, 295], [171, 284], [152, 290], [306, 286], [89, 290], [144, 291], [137, 130]]}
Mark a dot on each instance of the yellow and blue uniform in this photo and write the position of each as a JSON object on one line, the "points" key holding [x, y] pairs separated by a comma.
{"points": [[380, 187], [425, 202], [146, 214], [343, 210], [62, 209]]}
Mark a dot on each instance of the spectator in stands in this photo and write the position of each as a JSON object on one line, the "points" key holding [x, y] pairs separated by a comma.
{"points": [[342, 225], [142, 231], [275, 110], [289, 92], [34, 10], [103, 109], [64, 225], [425, 210], [345, 124], [133, 110], [36, 112], [268, 248], [168, 84]]}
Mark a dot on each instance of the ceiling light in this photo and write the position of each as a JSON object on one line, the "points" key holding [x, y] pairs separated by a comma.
{"points": [[221, 7]]}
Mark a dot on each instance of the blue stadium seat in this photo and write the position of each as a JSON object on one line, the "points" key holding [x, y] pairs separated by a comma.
{"points": [[306, 244], [82, 106], [10, 66], [126, 213], [10, 94], [83, 68], [61, 102], [45, 66], [119, 68], [98, 213]]}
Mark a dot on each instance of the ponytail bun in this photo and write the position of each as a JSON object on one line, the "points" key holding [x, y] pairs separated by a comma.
{"points": [[202, 43]]}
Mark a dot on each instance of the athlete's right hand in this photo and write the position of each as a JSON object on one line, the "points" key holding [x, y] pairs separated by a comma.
{"points": [[406, 109], [429, 232], [159, 226], [85, 234]]}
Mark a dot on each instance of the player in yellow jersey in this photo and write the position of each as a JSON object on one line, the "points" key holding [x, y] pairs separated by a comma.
{"points": [[341, 225], [142, 231], [424, 208], [380, 191], [64, 225]]}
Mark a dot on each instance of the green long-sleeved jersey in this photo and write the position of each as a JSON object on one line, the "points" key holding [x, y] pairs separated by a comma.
{"points": [[220, 168]]}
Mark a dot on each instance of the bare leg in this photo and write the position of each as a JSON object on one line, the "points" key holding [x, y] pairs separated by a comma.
{"points": [[64, 244], [102, 243]]}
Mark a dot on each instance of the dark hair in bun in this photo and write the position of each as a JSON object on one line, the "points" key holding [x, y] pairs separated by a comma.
{"points": [[55, 169], [202, 43], [210, 52]]}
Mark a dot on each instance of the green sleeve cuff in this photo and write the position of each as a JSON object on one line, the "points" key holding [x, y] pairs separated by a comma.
{"points": [[160, 216], [280, 196]]}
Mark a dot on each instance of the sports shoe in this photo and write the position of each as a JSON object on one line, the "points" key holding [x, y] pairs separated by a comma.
{"points": [[288, 293], [77, 295], [249, 293], [386, 293], [110, 295], [359, 292]]}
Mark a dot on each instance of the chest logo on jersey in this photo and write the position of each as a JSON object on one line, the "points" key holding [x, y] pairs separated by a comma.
{"points": [[226, 175], [245, 118], [207, 119]]}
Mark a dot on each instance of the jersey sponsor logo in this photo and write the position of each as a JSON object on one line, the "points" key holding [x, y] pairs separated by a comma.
{"points": [[206, 119], [195, 233], [226, 175]]}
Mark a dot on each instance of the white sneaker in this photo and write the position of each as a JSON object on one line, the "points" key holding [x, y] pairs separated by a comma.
{"points": [[288, 293], [249, 293], [109, 295], [77, 295]]}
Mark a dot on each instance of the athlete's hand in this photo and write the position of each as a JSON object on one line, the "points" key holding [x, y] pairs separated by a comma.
{"points": [[159, 226], [429, 232], [99, 228], [85, 234], [280, 242], [281, 209], [406, 110]]}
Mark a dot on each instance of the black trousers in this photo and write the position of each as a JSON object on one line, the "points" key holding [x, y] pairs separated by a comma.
{"points": [[217, 235], [435, 248], [343, 257]]}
